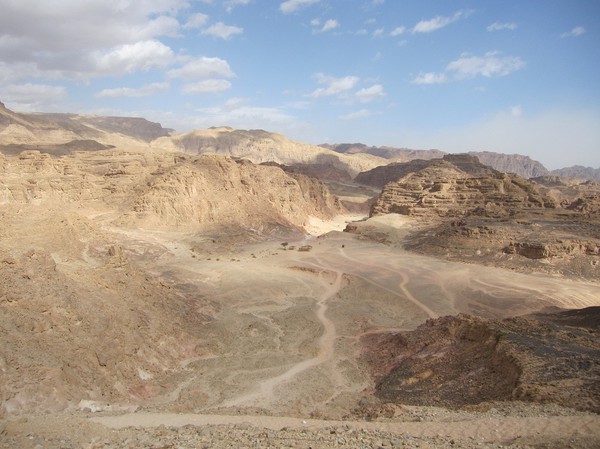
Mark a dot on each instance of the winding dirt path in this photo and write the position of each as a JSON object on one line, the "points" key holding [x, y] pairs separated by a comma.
{"points": [[476, 429], [264, 393]]}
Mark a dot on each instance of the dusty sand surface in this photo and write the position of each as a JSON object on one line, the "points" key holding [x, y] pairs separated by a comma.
{"points": [[278, 364]]}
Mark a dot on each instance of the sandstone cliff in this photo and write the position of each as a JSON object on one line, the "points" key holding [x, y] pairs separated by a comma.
{"points": [[444, 190], [163, 190], [54, 129], [261, 146], [390, 153]]}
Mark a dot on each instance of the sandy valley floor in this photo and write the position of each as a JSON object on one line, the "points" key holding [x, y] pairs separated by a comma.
{"points": [[282, 351]]}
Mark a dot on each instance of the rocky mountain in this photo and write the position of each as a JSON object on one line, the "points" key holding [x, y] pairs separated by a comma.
{"points": [[391, 153], [521, 165], [578, 172], [50, 131], [261, 146], [380, 176], [442, 189], [163, 190]]}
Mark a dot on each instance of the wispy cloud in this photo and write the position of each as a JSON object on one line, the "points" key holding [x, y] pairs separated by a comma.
{"points": [[329, 25], [230, 4], [489, 65], [468, 66], [575, 32], [362, 113], [222, 31], [209, 86], [144, 91], [237, 113], [398, 31], [290, 6], [197, 20], [498, 26], [333, 86], [430, 78], [438, 22], [130, 58], [369, 94], [202, 68], [28, 96]]}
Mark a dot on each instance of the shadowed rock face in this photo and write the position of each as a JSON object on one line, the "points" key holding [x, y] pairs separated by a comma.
{"points": [[380, 176], [463, 360]]}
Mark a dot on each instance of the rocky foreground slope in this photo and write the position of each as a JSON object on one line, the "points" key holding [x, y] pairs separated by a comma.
{"points": [[463, 360], [78, 316]]}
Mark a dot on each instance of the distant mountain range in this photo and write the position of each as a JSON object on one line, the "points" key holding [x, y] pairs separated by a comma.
{"points": [[509, 163], [62, 133]]}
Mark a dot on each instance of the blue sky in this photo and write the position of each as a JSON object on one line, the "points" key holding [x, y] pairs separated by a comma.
{"points": [[516, 76]]}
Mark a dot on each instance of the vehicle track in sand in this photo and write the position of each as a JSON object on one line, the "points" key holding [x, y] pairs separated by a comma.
{"points": [[264, 392]]}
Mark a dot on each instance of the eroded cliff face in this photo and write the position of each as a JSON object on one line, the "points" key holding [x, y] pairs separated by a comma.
{"points": [[165, 190], [443, 190]]}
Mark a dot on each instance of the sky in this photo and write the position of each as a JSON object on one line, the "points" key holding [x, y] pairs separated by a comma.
{"points": [[512, 76]]}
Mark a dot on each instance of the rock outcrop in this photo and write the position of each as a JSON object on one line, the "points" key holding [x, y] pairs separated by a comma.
{"points": [[380, 176], [163, 190], [579, 172], [444, 190], [465, 360], [518, 164], [260, 146], [390, 153]]}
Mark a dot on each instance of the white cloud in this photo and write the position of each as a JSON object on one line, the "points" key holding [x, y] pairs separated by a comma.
{"points": [[430, 78], [238, 114], [427, 26], [290, 6], [378, 32], [202, 68], [222, 31], [498, 26], [133, 57], [362, 113], [369, 94], [65, 38], [397, 31], [197, 20], [207, 86], [491, 64], [28, 97], [144, 91], [468, 66], [575, 32], [329, 25], [333, 86], [230, 4]]}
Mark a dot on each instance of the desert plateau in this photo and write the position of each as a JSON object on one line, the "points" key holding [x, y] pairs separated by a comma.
{"points": [[235, 289]]}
